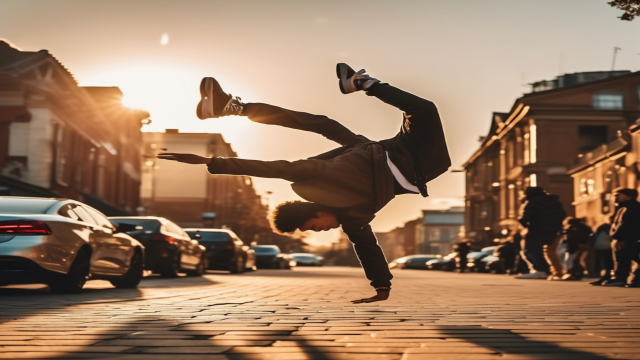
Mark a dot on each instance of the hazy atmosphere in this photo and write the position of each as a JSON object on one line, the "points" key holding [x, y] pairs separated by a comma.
{"points": [[470, 57]]}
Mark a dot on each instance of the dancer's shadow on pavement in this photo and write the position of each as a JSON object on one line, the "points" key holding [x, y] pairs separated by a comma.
{"points": [[506, 342]]}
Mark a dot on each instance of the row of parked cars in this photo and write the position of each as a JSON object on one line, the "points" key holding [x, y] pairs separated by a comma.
{"points": [[478, 261], [62, 243]]}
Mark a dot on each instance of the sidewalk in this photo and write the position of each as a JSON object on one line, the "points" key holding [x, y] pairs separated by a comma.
{"points": [[305, 314]]}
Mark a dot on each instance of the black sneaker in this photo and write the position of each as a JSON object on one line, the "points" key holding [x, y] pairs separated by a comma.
{"points": [[351, 81], [215, 102]]}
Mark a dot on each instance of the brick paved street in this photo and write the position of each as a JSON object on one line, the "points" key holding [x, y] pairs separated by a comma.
{"points": [[305, 314]]}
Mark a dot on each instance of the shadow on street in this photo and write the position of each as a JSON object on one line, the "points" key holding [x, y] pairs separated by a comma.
{"points": [[506, 342]]}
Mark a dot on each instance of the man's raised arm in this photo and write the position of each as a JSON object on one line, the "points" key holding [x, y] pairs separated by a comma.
{"points": [[280, 169]]}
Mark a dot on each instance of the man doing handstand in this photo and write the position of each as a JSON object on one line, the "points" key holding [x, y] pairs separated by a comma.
{"points": [[348, 185]]}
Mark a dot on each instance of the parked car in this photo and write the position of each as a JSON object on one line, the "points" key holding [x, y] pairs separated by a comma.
{"points": [[225, 250], [418, 262], [307, 259], [63, 243], [169, 249], [270, 256], [493, 264], [474, 259], [446, 263]]}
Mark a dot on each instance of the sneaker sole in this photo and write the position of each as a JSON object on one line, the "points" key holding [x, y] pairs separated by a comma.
{"points": [[208, 86], [342, 71]]}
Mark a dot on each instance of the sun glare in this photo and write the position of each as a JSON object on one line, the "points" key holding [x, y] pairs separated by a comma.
{"points": [[164, 39], [169, 92]]}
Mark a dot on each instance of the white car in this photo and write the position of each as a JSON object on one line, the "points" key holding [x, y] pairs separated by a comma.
{"points": [[63, 243]]}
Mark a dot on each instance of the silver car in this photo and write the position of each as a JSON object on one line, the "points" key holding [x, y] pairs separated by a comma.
{"points": [[63, 243]]}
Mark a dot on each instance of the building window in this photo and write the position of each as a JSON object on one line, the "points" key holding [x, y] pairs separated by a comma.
{"points": [[525, 155], [590, 137], [608, 101], [61, 154], [587, 186], [533, 144], [510, 154], [533, 180]]}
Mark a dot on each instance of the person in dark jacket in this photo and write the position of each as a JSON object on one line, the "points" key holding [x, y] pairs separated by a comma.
{"points": [[507, 252], [601, 244], [542, 216], [625, 232], [462, 250], [575, 238], [346, 186]]}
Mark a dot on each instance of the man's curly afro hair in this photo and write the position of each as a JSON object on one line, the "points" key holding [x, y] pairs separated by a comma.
{"points": [[291, 215]]}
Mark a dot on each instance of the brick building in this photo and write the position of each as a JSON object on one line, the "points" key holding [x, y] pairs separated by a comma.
{"points": [[438, 230], [190, 196], [537, 142], [598, 173], [60, 139]]}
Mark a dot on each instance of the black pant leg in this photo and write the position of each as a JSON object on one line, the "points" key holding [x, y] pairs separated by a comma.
{"points": [[320, 124], [534, 252], [421, 130], [623, 258]]}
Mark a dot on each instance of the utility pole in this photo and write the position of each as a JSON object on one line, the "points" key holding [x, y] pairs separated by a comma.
{"points": [[615, 51]]}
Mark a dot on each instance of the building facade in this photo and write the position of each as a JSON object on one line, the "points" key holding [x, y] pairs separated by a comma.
{"points": [[60, 139], [439, 230], [190, 196], [598, 173], [537, 142]]}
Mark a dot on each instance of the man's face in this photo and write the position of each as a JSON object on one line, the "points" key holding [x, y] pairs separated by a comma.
{"points": [[621, 197], [322, 222]]}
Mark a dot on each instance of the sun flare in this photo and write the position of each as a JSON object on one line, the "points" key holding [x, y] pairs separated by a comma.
{"points": [[169, 92]]}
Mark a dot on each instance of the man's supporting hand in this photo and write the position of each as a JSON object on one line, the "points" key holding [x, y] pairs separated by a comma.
{"points": [[185, 158], [380, 296]]}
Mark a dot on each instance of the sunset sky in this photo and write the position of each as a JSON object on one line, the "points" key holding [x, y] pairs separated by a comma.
{"points": [[470, 57]]}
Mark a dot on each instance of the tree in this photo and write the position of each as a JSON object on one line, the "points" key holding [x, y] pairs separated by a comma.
{"points": [[631, 8]]}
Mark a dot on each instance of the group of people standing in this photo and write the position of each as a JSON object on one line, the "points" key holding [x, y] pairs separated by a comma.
{"points": [[556, 247]]}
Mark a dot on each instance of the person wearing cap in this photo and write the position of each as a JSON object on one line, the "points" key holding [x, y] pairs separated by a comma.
{"points": [[625, 232], [543, 215]]}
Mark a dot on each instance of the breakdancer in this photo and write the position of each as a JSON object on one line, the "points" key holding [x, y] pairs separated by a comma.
{"points": [[348, 185]]}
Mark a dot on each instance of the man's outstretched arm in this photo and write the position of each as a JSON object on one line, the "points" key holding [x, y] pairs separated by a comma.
{"points": [[372, 260], [280, 169]]}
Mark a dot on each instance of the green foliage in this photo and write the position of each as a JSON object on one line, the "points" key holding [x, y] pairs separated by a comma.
{"points": [[631, 8]]}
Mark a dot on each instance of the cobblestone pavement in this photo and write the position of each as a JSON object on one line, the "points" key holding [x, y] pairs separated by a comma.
{"points": [[305, 314]]}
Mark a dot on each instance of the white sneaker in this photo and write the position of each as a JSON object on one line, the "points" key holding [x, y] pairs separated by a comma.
{"points": [[533, 275], [351, 81]]}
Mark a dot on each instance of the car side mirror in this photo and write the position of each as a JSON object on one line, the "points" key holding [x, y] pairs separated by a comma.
{"points": [[125, 228]]}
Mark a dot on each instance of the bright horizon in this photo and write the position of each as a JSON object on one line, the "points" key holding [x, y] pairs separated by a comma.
{"points": [[471, 58]]}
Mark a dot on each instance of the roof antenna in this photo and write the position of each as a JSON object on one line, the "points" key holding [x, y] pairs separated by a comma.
{"points": [[615, 51]]}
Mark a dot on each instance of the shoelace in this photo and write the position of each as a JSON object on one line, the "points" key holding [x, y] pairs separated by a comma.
{"points": [[362, 78], [361, 73], [233, 105]]}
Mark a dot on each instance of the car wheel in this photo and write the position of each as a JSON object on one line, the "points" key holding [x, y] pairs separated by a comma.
{"points": [[237, 266], [132, 278], [203, 264], [72, 282], [172, 270]]}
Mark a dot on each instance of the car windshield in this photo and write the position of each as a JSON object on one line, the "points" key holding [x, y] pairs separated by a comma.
{"points": [[488, 250], [266, 249], [25, 205], [303, 257], [422, 258], [475, 255], [209, 236], [148, 225]]}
